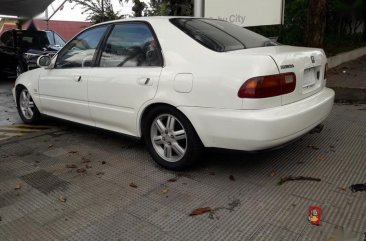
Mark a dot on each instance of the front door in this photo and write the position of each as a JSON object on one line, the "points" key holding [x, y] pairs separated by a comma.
{"points": [[126, 76], [8, 53], [63, 89]]}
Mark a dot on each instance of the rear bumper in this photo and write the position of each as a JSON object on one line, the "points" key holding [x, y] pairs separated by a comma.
{"points": [[252, 130]]}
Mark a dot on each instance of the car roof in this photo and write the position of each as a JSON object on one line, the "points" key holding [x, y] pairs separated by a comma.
{"points": [[25, 30], [147, 19]]}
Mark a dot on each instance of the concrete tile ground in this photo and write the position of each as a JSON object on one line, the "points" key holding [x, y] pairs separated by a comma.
{"points": [[100, 204]]}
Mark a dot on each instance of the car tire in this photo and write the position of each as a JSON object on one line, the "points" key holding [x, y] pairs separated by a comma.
{"points": [[171, 139], [27, 109]]}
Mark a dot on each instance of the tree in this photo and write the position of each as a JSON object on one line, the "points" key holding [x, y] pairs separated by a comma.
{"points": [[98, 10], [138, 8], [316, 23], [171, 8]]}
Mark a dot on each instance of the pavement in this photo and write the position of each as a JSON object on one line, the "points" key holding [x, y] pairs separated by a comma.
{"points": [[349, 81], [63, 181]]}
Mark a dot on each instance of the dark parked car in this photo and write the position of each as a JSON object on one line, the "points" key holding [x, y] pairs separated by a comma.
{"points": [[20, 49]]}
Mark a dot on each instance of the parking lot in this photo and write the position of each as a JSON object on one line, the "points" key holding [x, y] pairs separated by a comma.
{"points": [[63, 181]]}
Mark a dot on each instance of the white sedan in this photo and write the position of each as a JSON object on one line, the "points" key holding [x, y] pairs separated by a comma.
{"points": [[181, 84]]}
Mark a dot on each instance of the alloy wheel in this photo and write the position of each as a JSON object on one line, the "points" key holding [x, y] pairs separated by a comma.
{"points": [[26, 104], [169, 138]]}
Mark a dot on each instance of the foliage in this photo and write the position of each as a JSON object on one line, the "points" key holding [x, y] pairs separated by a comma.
{"points": [[138, 8], [98, 10], [170, 8], [344, 24]]}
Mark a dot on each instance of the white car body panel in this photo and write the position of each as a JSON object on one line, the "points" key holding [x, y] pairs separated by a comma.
{"points": [[201, 83], [128, 85], [63, 95], [259, 129]]}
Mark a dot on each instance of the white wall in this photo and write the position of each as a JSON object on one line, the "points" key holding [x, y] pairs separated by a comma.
{"points": [[246, 12]]}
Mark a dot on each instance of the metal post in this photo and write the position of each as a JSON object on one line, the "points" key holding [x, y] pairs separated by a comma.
{"points": [[103, 11], [198, 8], [47, 19]]}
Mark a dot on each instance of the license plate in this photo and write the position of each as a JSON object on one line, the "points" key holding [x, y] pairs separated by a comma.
{"points": [[309, 78]]}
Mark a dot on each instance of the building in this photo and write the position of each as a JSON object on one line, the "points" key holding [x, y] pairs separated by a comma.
{"points": [[66, 29], [6, 25]]}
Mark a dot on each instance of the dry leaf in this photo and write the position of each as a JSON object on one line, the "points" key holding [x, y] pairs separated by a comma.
{"points": [[81, 170], [313, 147], [200, 211], [165, 190], [299, 178], [321, 158], [172, 180], [18, 186], [232, 178], [50, 146], [85, 160], [71, 166], [272, 174], [62, 199], [343, 189], [100, 173], [133, 185]]}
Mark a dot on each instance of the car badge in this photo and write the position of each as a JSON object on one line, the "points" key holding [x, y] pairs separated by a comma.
{"points": [[313, 59], [288, 66]]}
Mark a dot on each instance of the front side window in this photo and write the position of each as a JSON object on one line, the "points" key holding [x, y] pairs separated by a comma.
{"points": [[80, 51], [220, 36], [131, 45]]}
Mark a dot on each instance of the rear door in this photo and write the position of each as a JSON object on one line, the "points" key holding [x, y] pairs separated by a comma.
{"points": [[127, 76], [63, 89]]}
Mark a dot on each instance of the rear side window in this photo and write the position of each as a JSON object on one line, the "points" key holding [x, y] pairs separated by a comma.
{"points": [[32, 40], [7, 39], [131, 45], [219, 35]]}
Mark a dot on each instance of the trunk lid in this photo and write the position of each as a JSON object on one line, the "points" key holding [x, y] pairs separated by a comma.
{"points": [[308, 64]]}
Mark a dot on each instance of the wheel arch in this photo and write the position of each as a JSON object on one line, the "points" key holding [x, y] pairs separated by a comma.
{"points": [[150, 107], [18, 88], [145, 110]]}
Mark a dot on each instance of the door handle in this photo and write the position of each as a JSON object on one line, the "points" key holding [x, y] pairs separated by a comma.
{"points": [[77, 78], [145, 81]]}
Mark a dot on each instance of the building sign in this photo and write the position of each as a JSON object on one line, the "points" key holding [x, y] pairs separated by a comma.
{"points": [[246, 12]]}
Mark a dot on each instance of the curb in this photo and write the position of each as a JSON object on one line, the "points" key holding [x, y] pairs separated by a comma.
{"points": [[349, 94], [346, 57]]}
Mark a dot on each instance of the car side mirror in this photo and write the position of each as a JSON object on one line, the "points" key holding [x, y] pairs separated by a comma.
{"points": [[44, 61]]}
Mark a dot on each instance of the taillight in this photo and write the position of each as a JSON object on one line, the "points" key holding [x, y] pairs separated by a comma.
{"points": [[268, 86], [326, 72]]}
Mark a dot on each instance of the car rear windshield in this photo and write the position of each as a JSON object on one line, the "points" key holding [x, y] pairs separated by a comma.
{"points": [[220, 36]]}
